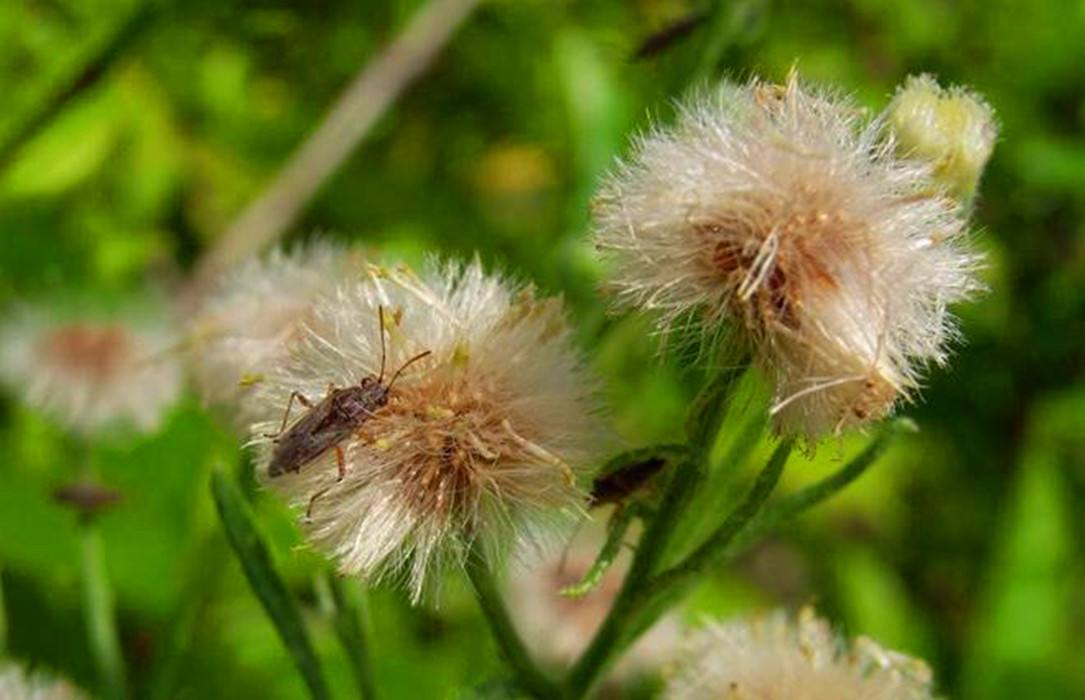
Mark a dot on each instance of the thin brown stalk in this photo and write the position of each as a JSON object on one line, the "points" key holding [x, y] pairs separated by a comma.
{"points": [[374, 89]]}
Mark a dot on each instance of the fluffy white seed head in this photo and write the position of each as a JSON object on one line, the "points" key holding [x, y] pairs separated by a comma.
{"points": [[17, 684], [954, 129], [93, 373], [558, 628], [480, 443], [775, 658], [248, 324], [783, 214]]}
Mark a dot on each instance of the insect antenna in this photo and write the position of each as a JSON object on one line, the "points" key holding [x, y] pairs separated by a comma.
{"points": [[404, 366], [380, 317]]}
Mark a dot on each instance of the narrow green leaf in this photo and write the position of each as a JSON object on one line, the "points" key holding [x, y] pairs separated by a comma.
{"points": [[616, 529], [265, 581]]}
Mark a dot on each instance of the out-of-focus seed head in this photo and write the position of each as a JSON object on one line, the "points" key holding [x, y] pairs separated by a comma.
{"points": [[783, 215], [259, 310], [90, 374], [774, 657], [558, 628], [480, 443], [953, 129], [17, 684]]}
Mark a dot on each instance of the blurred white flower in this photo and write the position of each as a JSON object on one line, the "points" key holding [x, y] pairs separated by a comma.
{"points": [[247, 325], [558, 628], [783, 214], [773, 658], [91, 373], [953, 129], [480, 443], [17, 684]]}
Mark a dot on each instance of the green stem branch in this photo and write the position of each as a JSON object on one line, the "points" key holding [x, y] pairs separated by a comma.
{"points": [[100, 617], [608, 639], [512, 647]]}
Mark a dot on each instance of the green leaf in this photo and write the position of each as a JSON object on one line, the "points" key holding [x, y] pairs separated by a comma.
{"points": [[71, 151], [265, 581], [616, 529]]}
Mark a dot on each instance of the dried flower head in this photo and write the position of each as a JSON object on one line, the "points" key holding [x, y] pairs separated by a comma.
{"points": [[558, 628], [953, 129], [91, 373], [17, 684], [772, 658], [782, 214], [248, 324], [480, 443]]}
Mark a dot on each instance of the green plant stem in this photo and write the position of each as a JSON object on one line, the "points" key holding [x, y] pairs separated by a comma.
{"points": [[264, 580], [735, 535], [100, 617], [608, 638], [709, 553], [533, 680], [791, 506], [352, 626]]}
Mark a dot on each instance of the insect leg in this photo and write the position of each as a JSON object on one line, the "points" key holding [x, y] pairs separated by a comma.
{"points": [[312, 500], [340, 462], [286, 414]]}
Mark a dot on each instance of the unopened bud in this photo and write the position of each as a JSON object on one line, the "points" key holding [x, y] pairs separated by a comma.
{"points": [[952, 128]]}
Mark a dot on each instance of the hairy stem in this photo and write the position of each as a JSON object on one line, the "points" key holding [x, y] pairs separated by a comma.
{"points": [[528, 674]]}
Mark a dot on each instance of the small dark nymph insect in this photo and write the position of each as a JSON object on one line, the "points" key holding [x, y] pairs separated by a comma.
{"points": [[326, 424]]}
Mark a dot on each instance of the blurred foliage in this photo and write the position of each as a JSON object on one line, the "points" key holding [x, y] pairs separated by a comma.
{"points": [[133, 131]]}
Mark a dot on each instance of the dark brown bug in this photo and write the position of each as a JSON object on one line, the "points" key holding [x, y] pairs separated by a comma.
{"points": [[329, 422]]}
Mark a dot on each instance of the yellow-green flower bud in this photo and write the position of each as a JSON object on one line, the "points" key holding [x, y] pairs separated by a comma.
{"points": [[954, 129]]}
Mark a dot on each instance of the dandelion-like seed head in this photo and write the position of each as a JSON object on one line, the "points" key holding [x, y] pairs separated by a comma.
{"points": [[773, 657], [480, 443], [17, 684], [248, 324], [91, 373], [783, 214]]}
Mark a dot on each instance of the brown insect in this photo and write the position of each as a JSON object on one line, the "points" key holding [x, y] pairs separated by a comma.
{"points": [[330, 421]]}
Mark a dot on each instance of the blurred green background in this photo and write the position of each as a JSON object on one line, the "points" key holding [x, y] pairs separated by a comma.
{"points": [[133, 131]]}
